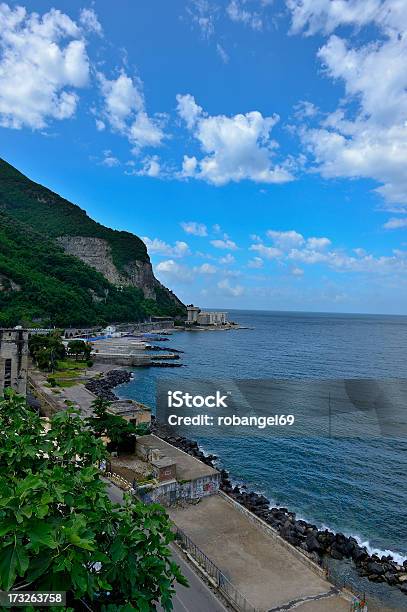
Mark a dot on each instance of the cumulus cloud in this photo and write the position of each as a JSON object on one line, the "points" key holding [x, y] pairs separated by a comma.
{"points": [[150, 167], [235, 148], [160, 247], [124, 110], [224, 244], [293, 248], [230, 290], [326, 15], [43, 61], [267, 252], [285, 239], [194, 228], [255, 263], [206, 268], [90, 21], [227, 259], [395, 223], [109, 159], [371, 142], [174, 271]]}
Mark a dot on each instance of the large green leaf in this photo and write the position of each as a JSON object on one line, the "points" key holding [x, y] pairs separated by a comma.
{"points": [[40, 532]]}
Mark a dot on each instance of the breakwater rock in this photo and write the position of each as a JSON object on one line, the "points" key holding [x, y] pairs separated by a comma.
{"points": [[102, 387], [315, 543]]}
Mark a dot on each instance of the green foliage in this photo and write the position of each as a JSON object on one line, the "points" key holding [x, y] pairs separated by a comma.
{"points": [[120, 432], [46, 350], [79, 348], [48, 213], [58, 528], [56, 288]]}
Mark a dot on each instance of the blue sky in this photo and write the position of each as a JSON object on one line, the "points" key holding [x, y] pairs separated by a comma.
{"points": [[258, 146]]}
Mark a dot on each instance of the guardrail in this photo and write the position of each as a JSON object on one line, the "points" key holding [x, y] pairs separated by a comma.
{"points": [[223, 584], [359, 601]]}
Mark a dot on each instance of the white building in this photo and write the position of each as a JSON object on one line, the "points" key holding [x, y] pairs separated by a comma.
{"points": [[199, 317]]}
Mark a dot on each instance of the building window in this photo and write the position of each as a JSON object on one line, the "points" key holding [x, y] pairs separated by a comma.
{"points": [[7, 373]]}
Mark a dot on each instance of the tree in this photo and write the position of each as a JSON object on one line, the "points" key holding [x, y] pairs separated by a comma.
{"points": [[60, 531], [79, 348], [119, 431], [46, 350]]}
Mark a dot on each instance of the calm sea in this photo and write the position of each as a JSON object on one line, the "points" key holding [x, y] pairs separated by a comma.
{"points": [[356, 485]]}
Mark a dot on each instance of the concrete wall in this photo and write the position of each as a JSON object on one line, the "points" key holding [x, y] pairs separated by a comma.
{"points": [[146, 327], [266, 528], [169, 492], [13, 360]]}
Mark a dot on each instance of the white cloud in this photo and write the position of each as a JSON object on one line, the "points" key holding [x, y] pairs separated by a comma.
{"points": [[285, 239], [318, 243], [305, 109], [206, 268], [227, 259], [327, 15], [159, 247], [255, 263], [235, 148], [366, 137], [150, 167], [100, 125], [90, 21], [395, 223], [109, 159], [293, 248], [194, 228], [224, 244], [230, 290], [174, 271], [124, 109], [203, 14], [188, 110], [43, 60], [222, 53], [266, 251], [237, 12]]}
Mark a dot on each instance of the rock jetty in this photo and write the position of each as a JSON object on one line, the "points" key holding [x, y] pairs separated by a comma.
{"points": [[102, 387], [315, 543]]}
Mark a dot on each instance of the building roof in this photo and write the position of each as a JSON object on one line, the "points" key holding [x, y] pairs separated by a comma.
{"points": [[188, 467]]}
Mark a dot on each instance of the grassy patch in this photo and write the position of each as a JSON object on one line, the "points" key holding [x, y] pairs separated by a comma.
{"points": [[70, 365]]}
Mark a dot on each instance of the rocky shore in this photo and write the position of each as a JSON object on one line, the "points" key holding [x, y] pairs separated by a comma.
{"points": [[102, 387], [317, 544]]}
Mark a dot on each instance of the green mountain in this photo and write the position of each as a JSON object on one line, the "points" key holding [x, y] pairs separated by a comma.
{"points": [[60, 267]]}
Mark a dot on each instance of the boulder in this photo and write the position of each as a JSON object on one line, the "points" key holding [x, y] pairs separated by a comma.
{"points": [[375, 568]]}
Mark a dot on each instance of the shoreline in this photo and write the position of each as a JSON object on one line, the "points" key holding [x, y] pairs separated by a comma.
{"points": [[319, 544]]}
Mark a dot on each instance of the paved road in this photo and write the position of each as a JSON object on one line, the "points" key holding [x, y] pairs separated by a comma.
{"points": [[198, 597]]}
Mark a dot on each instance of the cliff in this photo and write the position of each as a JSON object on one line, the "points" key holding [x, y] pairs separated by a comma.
{"points": [[44, 238], [97, 253]]}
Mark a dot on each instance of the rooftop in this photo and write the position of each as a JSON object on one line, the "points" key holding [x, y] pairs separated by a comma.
{"points": [[188, 468]]}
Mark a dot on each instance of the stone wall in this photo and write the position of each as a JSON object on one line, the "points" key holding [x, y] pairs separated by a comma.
{"points": [[169, 493], [13, 360]]}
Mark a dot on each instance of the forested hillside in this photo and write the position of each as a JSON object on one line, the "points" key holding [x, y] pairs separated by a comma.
{"points": [[41, 284]]}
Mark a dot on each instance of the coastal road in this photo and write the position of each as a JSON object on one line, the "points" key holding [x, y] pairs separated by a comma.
{"points": [[198, 597]]}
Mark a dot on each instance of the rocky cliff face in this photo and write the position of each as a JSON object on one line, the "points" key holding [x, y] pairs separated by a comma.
{"points": [[96, 252]]}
